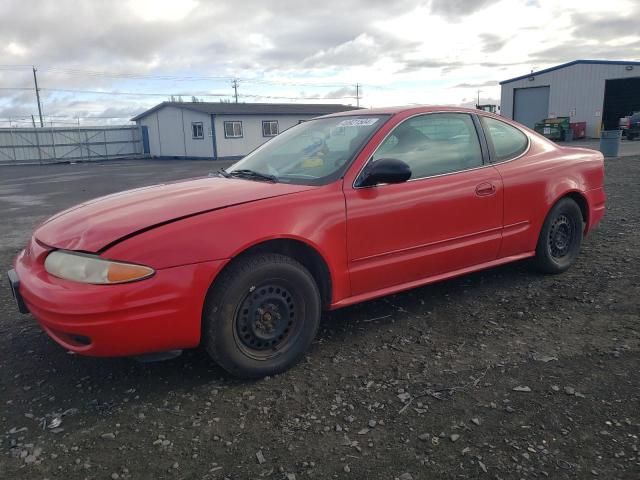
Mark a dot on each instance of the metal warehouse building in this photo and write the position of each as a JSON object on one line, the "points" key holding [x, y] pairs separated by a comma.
{"points": [[223, 131], [597, 92]]}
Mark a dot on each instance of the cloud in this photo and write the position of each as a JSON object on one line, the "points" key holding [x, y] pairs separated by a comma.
{"points": [[570, 51], [415, 49], [363, 50], [67, 32], [489, 83], [419, 64], [492, 42], [342, 92], [16, 49], [606, 28], [457, 9]]}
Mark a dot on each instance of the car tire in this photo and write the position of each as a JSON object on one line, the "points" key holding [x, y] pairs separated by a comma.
{"points": [[560, 237], [261, 315]]}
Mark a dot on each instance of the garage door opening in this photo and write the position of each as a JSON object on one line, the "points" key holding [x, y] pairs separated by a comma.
{"points": [[621, 97]]}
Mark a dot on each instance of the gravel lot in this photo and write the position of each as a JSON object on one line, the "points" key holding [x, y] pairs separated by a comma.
{"points": [[501, 374]]}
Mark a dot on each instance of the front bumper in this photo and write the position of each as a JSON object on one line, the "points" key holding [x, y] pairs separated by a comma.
{"points": [[160, 313]]}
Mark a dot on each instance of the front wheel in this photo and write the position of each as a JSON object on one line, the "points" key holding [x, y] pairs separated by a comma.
{"points": [[261, 315], [560, 237]]}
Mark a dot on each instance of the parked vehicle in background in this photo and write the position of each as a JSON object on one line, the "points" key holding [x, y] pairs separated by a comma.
{"points": [[625, 122], [633, 126], [332, 212]]}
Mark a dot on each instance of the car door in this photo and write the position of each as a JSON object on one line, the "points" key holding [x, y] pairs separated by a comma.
{"points": [[447, 217]]}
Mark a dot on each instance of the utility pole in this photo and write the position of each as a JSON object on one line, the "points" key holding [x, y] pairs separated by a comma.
{"points": [[357, 95], [235, 88], [478, 104], [33, 121], [35, 81]]}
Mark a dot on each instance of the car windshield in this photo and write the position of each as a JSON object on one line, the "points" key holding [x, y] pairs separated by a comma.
{"points": [[315, 152]]}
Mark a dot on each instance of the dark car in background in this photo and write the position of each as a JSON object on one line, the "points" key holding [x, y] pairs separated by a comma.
{"points": [[630, 125], [633, 127]]}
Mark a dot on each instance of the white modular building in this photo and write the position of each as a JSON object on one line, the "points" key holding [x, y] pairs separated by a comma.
{"points": [[598, 92], [215, 130]]}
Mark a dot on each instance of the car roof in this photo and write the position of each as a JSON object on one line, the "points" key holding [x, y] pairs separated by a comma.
{"points": [[412, 109]]}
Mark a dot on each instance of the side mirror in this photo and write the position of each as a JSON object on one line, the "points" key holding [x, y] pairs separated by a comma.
{"points": [[385, 170]]}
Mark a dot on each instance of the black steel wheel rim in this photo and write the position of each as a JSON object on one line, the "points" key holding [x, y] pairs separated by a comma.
{"points": [[268, 320], [561, 237]]}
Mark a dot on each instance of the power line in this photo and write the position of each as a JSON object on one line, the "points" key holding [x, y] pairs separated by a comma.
{"points": [[108, 92], [285, 83], [94, 73], [22, 118], [123, 75], [14, 67], [197, 94], [189, 77], [276, 97], [137, 75]]}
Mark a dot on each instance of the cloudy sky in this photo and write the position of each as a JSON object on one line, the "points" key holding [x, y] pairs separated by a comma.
{"points": [[115, 58]]}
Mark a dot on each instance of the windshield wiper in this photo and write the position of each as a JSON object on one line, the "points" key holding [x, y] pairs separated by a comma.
{"points": [[247, 173], [223, 173]]}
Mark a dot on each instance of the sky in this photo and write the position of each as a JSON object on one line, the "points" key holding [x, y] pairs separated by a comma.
{"points": [[103, 61]]}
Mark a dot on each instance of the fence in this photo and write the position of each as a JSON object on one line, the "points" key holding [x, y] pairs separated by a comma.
{"points": [[63, 144]]}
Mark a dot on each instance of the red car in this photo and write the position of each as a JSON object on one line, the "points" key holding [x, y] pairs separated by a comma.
{"points": [[334, 211]]}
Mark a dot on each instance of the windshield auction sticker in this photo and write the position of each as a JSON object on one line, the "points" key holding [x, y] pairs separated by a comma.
{"points": [[357, 122]]}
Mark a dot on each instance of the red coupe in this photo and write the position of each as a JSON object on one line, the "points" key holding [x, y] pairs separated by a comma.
{"points": [[334, 211]]}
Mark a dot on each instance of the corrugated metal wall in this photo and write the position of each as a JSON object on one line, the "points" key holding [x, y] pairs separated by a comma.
{"points": [[56, 144]]}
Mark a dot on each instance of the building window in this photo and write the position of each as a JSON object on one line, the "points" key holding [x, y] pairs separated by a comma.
{"points": [[233, 129], [269, 128], [196, 130]]}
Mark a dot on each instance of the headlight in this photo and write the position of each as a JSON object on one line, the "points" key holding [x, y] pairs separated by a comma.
{"points": [[84, 268]]}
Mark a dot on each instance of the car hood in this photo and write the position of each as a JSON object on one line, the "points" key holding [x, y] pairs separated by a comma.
{"points": [[93, 225]]}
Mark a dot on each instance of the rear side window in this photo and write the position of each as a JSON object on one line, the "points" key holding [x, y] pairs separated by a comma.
{"points": [[508, 142]]}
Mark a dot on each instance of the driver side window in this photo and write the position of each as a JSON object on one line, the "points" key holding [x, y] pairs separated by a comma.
{"points": [[434, 144]]}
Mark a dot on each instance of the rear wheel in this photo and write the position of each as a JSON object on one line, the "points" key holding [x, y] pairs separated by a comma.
{"points": [[560, 238], [261, 315]]}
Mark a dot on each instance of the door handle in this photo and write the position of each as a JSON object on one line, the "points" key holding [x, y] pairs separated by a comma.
{"points": [[485, 189]]}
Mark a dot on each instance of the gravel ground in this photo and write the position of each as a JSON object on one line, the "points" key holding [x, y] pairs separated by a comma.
{"points": [[500, 374]]}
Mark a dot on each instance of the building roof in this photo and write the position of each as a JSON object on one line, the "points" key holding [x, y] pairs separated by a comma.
{"points": [[221, 108], [569, 64]]}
